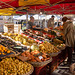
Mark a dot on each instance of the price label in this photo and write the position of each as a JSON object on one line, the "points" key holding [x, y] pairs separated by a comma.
{"points": [[35, 39], [40, 57]]}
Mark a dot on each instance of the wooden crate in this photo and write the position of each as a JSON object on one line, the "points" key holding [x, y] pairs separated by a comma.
{"points": [[17, 28], [9, 28]]}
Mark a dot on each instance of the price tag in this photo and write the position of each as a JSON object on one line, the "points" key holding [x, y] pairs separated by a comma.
{"points": [[28, 46], [9, 37], [35, 39], [17, 42], [40, 42], [40, 57]]}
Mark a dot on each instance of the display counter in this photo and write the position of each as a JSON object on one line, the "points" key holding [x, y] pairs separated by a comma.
{"points": [[9, 28], [27, 49], [49, 68]]}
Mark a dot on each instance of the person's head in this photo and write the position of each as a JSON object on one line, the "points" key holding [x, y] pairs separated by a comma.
{"points": [[64, 19], [52, 16], [32, 19]]}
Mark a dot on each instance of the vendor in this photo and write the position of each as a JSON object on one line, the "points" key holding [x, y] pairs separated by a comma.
{"points": [[50, 23], [30, 24], [69, 37]]}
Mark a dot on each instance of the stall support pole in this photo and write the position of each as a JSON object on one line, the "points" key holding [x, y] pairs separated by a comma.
{"points": [[27, 18], [45, 22], [38, 19]]}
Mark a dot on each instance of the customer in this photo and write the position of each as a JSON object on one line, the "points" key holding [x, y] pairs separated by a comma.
{"points": [[51, 22], [74, 39], [30, 24], [69, 37], [74, 45]]}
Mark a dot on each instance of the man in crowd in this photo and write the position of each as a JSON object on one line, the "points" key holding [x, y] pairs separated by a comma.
{"points": [[30, 24], [50, 23]]}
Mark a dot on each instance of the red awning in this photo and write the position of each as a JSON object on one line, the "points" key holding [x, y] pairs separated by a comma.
{"points": [[67, 8], [53, 7], [15, 3]]}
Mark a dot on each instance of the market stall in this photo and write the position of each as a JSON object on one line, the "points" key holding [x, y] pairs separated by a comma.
{"points": [[39, 47], [36, 51]]}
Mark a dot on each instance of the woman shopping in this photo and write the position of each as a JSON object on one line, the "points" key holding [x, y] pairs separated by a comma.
{"points": [[69, 37]]}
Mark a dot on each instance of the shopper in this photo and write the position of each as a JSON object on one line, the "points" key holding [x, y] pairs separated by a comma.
{"points": [[69, 37], [74, 39], [30, 24], [50, 23], [74, 45]]}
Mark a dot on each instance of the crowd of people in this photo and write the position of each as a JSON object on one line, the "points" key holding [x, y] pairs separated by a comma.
{"points": [[44, 24]]}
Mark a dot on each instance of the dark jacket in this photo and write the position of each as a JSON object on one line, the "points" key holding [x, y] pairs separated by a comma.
{"points": [[29, 25]]}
